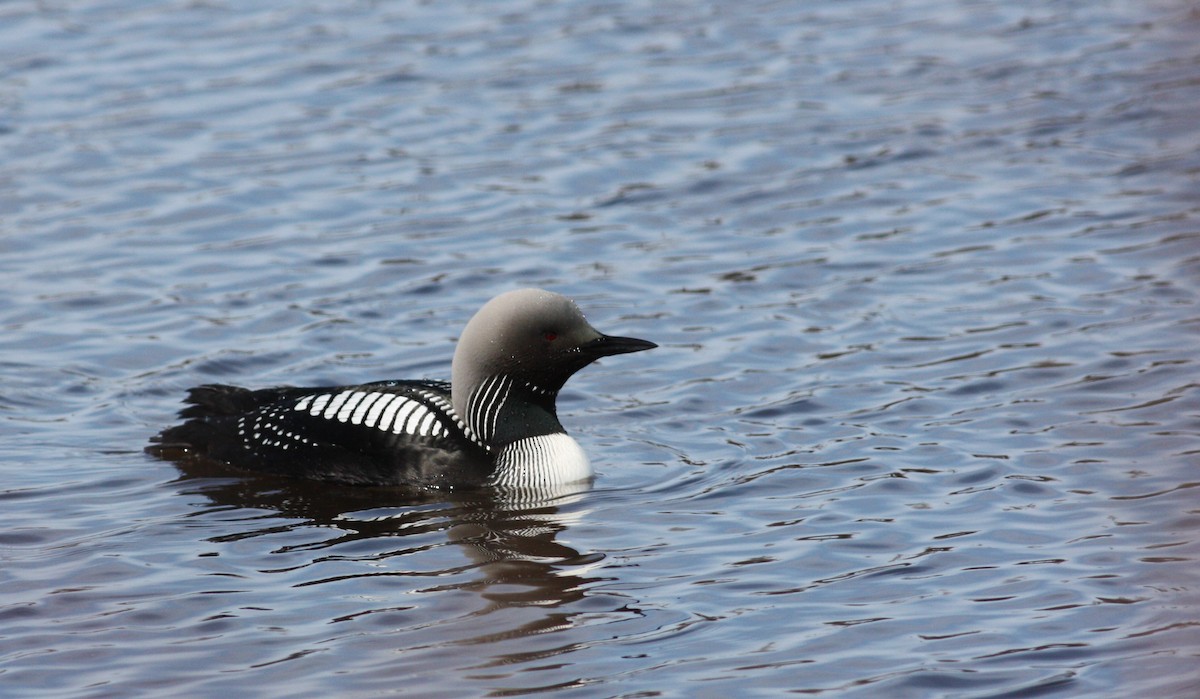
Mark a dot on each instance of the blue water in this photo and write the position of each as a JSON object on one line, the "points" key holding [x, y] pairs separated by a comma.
{"points": [[925, 277]]}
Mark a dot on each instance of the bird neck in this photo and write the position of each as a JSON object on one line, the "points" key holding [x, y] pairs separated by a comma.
{"points": [[500, 410]]}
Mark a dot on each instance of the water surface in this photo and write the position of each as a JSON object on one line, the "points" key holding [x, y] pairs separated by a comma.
{"points": [[923, 421]]}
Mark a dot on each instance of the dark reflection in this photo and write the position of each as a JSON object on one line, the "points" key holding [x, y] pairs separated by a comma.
{"points": [[516, 561]]}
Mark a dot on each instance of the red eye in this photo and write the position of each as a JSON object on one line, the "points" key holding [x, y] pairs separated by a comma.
{"points": [[550, 336]]}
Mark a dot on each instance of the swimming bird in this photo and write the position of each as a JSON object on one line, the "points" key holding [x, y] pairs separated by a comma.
{"points": [[495, 423]]}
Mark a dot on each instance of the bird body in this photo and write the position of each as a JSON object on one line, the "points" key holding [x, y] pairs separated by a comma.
{"points": [[494, 424]]}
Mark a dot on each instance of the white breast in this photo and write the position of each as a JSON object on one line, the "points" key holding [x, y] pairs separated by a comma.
{"points": [[545, 462]]}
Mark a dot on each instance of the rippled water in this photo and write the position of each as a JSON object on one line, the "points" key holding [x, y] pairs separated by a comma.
{"points": [[924, 275]]}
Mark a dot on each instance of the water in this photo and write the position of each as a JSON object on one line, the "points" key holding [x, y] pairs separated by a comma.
{"points": [[924, 275]]}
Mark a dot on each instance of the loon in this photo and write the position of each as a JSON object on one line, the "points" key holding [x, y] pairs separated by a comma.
{"points": [[493, 424]]}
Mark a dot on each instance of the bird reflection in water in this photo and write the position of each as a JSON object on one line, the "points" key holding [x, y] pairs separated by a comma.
{"points": [[513, 560]]}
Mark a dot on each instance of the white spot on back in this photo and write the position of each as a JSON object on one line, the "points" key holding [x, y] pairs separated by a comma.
{"points": [[377, 409], [426, 424], [335, 404], [406, 410], [318, 404], [347, 409], [360, 412], [387, 412]]}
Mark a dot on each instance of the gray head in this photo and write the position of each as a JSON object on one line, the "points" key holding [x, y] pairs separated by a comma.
{"points": [[527, 343]]}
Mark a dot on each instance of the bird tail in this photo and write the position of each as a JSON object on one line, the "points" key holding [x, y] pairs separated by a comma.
{"points": [[208, 408]]}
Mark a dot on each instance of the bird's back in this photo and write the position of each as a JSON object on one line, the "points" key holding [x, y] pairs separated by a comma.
{"points": [[385, 433]]}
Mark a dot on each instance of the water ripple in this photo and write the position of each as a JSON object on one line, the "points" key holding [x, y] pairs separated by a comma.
{"points": [[922, 420]]}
